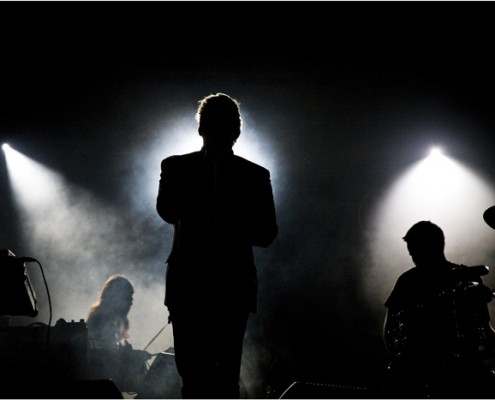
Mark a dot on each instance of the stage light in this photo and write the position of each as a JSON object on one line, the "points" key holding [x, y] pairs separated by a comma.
{"points": [[435, 152], [6, 147]]}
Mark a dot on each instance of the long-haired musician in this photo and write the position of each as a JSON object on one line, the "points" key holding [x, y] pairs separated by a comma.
{"points": [[111, 355]]}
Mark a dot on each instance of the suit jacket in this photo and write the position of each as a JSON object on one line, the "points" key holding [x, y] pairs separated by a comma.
{"points": [[219, 210]]}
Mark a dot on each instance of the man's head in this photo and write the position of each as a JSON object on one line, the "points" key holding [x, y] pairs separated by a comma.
{"points": [[219, 121], [425, 242]]}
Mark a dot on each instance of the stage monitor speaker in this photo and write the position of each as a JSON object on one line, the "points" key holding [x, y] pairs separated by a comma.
{"points": [[17, 296], [162, 380]]}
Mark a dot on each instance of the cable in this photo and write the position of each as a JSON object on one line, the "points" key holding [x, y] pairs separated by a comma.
{"points": [[30, 259]]}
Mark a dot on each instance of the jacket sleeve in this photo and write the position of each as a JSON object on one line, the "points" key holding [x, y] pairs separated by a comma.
{"points": [[168, 199], [265, 229]]}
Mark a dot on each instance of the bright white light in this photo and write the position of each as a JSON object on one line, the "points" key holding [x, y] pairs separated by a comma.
{"points": [[29, 180], [6, 147], [434, 181], [436, 189], [435, 152]]}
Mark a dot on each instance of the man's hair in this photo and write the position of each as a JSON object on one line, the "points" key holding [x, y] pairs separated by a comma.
{"points": [[427, 233], [219, 114]]}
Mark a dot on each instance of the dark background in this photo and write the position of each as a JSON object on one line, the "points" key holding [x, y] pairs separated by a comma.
{"points": [[346, 93]]}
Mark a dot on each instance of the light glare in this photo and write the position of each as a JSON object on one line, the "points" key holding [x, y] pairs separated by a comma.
{"points": [[435, 152]]}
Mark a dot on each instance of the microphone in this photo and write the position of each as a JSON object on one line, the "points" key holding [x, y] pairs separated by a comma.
{"points": [[10, 255]]}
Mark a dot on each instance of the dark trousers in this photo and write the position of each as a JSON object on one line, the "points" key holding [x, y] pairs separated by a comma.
{"points": [[208, 351]]}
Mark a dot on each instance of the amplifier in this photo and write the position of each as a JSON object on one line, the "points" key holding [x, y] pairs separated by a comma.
{"points": [[34, 352]]}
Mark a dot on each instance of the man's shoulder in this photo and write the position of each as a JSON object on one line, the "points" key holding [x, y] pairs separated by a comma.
{"points": [[181, 158], [412, 271], [411, 276], [249, 166]]}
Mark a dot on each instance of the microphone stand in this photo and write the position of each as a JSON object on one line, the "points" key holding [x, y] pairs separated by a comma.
{"points": [[160, 331]]}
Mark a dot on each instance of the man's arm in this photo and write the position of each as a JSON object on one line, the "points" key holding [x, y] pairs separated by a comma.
{"points": [[265, 228], [167, 202]]}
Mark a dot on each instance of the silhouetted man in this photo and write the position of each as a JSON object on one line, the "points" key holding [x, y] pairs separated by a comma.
{"points": [[437, 327], [221, 205]]}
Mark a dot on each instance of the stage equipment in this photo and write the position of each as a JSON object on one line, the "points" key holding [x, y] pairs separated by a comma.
{"points": [[31, 367], [162, 380], [17, 296]]}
